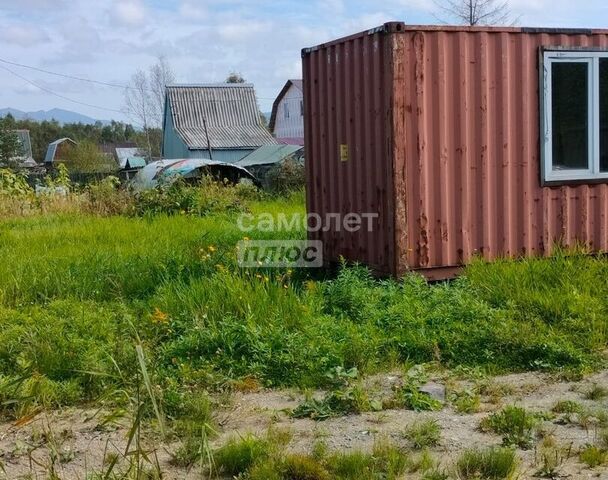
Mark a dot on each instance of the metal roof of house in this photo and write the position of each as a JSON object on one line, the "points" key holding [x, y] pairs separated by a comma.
{"points": [[134, 162], [123, 154], [26, 144], [52, 148], [273, 116], [227, 113], [268, 154]]}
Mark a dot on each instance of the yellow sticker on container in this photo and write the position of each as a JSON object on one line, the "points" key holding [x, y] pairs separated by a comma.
{"points": [[344, 152]]}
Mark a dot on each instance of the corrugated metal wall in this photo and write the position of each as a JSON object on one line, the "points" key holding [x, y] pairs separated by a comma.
{"points": [[347, 91], [443, 128], [471, 163]]}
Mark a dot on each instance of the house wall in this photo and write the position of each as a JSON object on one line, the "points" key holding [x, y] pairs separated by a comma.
{"points": [[173, 145], [460, 128], [289, 123]]}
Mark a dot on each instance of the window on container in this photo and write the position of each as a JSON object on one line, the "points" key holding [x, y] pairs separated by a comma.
{"points": [[604, 115], [575, 115]]}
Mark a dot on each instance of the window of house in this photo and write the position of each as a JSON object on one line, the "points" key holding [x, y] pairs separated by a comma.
{"points": [[575, 120], [286, 109], [301, 108]]}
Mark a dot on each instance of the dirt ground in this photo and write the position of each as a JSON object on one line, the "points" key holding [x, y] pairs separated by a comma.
{"points": [[73, 444]]}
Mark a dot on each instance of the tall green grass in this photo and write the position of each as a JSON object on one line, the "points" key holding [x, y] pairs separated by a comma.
{"points": [[77, 291]]}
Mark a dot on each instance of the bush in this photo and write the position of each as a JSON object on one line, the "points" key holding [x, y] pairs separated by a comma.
{"points": [[593, 456], [107, 198], [206, 198], [13, 183], [286, 177]]}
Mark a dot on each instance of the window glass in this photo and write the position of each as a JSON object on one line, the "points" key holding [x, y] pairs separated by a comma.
{"points": [[570, 114], [604, 114]]}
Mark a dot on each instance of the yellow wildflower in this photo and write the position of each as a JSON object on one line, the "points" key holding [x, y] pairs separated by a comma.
{"points": [[159, 316]]}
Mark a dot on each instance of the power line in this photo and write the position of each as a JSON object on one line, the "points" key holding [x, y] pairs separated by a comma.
{"points": [[88, 80], [57, 94], [73, 77]]}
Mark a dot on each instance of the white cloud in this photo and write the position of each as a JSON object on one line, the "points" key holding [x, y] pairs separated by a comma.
{"points": [[31, 5], [26, 89], [192, 11], [22, 35], [129, 12], [243, 30]]}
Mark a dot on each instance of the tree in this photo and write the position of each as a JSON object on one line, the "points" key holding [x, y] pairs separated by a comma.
{"points": [[87, 158], [145, 99], [10, 148], [476, 12], [138, 103], [235, 77], [159, 77]]}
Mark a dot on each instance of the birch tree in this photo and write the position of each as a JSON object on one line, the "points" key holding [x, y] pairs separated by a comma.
{"points": [[145, 99], [476, 12]]}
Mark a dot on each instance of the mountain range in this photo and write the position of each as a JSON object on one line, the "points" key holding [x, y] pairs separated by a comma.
{"points": [[62, 116]]}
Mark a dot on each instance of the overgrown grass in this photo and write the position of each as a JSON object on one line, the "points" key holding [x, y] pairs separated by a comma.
{"points": [[76, 289], [489, 464]]}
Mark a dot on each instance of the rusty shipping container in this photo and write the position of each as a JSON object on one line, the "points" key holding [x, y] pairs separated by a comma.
{"points": [[437, 130]]}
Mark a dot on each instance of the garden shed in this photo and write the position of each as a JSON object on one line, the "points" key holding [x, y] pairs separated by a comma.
{"points": [[463, 141]]}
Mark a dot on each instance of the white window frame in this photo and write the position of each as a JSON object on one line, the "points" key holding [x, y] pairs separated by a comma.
{"points": [[592, 59]]}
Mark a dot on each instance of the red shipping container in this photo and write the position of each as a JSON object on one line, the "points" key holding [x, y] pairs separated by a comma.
{"points": [[437, 130]]}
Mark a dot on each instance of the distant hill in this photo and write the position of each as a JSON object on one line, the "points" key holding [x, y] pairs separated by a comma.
{"points": [[62, 116]]}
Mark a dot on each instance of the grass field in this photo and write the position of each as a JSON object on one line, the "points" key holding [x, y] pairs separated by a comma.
{"points": [[81, 294]]}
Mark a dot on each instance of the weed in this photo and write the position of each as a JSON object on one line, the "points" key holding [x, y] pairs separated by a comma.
{"points": [[436, 474], [495, 390], [266, 470], [466, 401], [593, 456], [302, 467], [390, 461], [423, 434], [592, 418], [240, 453], [351, 465], [489, 464], [596, 392], [567, 406], [423, 463], [410, 396], [349, 399], [515, 424], [550, 456]]}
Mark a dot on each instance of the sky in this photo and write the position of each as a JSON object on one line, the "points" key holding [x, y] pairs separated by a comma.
{"points": [[204, 40]]}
